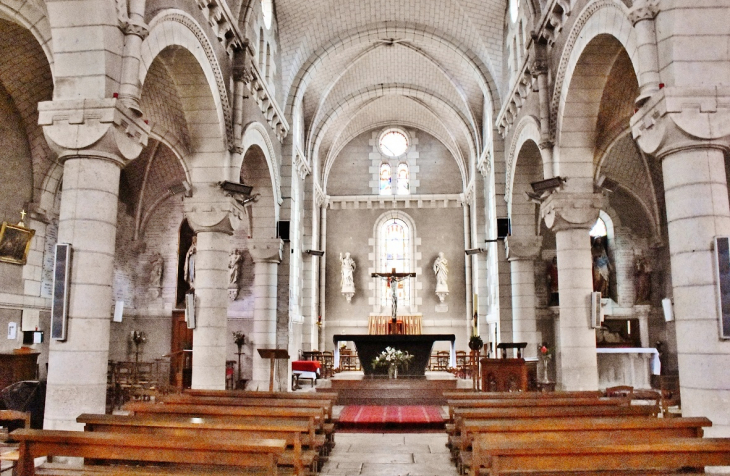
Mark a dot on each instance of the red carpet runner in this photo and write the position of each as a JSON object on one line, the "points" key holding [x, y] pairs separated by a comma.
{"points": [[411, 416]]}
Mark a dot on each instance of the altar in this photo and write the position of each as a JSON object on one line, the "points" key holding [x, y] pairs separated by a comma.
{"points": [[627, 366], [370, 346]]}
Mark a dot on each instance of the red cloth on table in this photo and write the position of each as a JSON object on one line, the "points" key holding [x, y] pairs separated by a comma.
{"points": [[306, 365]]}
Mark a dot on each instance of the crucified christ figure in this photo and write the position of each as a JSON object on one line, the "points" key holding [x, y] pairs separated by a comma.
{"points": [[392, 279]]}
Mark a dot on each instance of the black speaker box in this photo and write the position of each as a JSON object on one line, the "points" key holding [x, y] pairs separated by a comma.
{"points": [[282, 230], [504, 228]]}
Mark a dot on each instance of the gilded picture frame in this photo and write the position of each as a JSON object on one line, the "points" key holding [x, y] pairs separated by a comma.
{"points": [[15, 243]]}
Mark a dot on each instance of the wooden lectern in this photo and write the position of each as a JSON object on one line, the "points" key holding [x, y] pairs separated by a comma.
{"points": [[273, 355]]}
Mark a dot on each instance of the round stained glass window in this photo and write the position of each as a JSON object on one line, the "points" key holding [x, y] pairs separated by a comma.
{"points": [[393, 143]]}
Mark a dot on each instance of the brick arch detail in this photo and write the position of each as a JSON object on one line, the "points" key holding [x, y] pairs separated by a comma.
{"points": [[175, 28]]}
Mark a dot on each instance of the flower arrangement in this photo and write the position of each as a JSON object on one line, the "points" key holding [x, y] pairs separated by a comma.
{"points": [[239, 338], [544, 351], [392, 357]]}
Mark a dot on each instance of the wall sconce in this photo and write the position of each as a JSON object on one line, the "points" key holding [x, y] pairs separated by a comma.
{"points": [[548, 185], [475, 251], [314, 252]]}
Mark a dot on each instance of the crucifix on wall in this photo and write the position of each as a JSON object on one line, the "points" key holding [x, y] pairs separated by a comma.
{"points": [[392, 279]]}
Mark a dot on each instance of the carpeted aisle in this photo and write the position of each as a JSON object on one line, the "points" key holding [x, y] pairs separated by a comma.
{"points": [[390, 417]]}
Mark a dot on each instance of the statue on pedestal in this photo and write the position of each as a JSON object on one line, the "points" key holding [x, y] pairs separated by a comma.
{"points": [[441, 269], [642, 282], [155, 275], [234, 267], [348, 281], [601, 267], [189, 269]]}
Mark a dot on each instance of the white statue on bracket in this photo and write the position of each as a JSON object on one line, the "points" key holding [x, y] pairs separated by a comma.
{"points": [[234, 267], [441, 269], [348, 281]]}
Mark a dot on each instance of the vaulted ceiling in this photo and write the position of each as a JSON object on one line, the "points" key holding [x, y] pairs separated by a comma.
{"points": [[351, 65]]}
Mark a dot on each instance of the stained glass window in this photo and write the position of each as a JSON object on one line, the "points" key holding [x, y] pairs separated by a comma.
{"points": [[385, 180], [403, 187], [393, 143], [395, 240], [599, 229]]}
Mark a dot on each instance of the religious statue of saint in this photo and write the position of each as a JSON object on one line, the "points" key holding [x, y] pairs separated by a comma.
{"points": [[234, 266], [642, 274], [348, 268], [601, 267], [156, 265], [189, 269], [441, 268]]}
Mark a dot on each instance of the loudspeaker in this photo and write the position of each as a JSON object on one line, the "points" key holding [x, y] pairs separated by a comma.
{"points": [[595, 310], [667, 308], [59, 302], [190, 310], [504, 228], [118, 311], [282, 230]]}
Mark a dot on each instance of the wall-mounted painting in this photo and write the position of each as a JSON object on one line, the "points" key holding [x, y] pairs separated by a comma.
{"points": [[14, 243]]}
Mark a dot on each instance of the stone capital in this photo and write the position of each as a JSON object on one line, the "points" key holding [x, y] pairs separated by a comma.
{"points": [[266, 250], [643, 10], [522, 247], [209, 209], [135, 28], [565, 210], [102, 128], [677, 119]]}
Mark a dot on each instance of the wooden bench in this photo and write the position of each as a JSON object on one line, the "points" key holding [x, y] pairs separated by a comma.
{"points": [[296, 433], [187, 455], [533, 402], [517, 413], [589, 429], [536, 454], [314, 415], [332, 396], [252, 402], [471, 395]]}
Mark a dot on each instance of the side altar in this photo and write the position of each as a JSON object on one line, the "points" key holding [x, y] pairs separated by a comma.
{"points": [[370, 346]]}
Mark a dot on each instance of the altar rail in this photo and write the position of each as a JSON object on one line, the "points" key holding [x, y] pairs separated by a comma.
{"points": [[378, 325]]}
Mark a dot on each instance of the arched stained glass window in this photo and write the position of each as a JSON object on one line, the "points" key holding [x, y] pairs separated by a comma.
{"points": [[403, 187], [385, 180], [395, 241]]}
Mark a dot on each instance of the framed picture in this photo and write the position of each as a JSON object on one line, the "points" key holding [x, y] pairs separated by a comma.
{"points": [[14, 243]]}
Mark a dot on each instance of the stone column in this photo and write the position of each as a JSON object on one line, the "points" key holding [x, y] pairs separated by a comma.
{"points": [[689, 131], [521, 254], [213, 217], [642, 16], [94, 138], [266, 255], [571, 216]]}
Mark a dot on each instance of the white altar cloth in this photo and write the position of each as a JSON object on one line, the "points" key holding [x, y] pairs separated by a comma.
{"points": [[656, 366]]}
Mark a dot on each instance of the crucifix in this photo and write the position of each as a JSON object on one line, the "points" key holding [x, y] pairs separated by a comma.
{"points": [[392, 279]]}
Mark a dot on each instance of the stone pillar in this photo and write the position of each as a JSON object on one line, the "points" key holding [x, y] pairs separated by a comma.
{"points": [[521, 253], [642, 16], [213, 217], [571, 216], [266, 255], [689, 131], [94, 138]]}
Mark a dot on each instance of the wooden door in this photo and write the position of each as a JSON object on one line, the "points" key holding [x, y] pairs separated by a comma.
{"points": [[180, 360]]}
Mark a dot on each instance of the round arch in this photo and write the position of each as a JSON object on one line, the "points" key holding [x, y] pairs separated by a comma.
{"points": [[32, 19], [601, 29], [528, 129], [177, 30]]}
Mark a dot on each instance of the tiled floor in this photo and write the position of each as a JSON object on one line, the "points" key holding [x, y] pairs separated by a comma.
{"points": [[390, 454]]}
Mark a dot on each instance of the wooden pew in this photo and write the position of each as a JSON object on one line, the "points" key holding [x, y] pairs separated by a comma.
{"points": [[533, 402], [589, 429], [471, 395], [332, 396], [252, 402], [187, 455], [521, 413], [295, 432], [533, 453]]}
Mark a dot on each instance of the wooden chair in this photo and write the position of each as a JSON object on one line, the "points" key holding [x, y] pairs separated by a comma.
{"points": [[328, 361], [442, 360]]}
